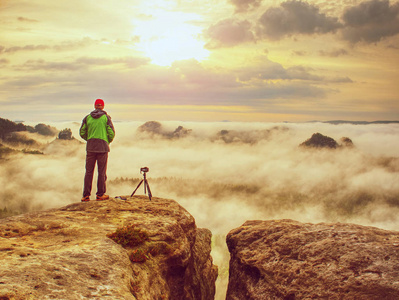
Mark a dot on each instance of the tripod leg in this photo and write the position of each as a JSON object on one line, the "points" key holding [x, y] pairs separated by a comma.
{"points": [[137, 187], [149, 190]]}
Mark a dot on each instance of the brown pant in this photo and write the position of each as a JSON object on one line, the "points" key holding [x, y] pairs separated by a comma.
{"points": [[91, 159]]}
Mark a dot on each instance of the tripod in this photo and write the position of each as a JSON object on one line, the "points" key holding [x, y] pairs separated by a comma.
{"points": [[146, 185]]}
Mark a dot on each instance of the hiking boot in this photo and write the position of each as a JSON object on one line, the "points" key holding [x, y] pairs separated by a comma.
{"points": [[86, 199], [103, 197]]}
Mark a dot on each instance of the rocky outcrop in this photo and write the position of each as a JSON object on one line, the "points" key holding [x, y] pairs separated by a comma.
{"points": [[290, 260], [346, 142], [156, 128], [151, 127], [248, 137], [66, 253], [65, 134], [321, 141], [44, 129], [8, 127]]}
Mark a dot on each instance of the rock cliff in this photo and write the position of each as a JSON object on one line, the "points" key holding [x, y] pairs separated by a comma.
{"points": [[321, 141], [67, 253], [290, 260]]}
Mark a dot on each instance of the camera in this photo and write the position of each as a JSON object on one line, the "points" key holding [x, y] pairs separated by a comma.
{"points": [[144, 170]]}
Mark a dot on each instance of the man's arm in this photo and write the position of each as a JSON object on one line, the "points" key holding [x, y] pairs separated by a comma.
{"points": [[110, 130], [83, 129]]}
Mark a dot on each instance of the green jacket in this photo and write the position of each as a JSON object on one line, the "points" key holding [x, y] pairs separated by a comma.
{"points": [[97, 129]]}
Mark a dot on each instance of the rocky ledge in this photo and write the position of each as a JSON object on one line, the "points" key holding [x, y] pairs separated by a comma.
{"points": [[290, 260], [67, 253]]}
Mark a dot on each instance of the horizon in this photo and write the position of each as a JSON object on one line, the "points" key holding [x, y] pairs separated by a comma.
{"points": [[206, 61], [337, 121]]}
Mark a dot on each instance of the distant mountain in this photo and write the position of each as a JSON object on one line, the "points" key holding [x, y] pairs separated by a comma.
{"points": [[8, 127], [4, 150], [43, 129], [336, 122], [13, 137], [65, 134], [156, 128], [321, 141]]}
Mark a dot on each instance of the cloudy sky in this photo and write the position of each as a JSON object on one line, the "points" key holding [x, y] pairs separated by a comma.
{"points": [[200, 60]]}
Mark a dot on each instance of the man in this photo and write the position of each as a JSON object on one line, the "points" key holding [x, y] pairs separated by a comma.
{"points": [[97, 129]]}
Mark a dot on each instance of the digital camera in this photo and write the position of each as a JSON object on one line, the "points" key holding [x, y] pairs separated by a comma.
{"points": [[144, 170]]}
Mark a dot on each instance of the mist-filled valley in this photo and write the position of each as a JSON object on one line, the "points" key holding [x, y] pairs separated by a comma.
{"points": [[223, 173]]}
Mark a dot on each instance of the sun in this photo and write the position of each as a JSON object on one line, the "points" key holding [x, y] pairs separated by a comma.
{"points": [[167, 36]]}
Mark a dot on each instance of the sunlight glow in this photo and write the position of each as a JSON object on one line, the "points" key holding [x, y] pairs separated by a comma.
{"points": [[167, 36]]}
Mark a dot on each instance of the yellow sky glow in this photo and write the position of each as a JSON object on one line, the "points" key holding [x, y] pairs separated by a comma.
{"points": [[224, 60], [166, 44]]}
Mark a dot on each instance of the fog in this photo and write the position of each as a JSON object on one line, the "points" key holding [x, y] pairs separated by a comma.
{"points": [[226, 173]]}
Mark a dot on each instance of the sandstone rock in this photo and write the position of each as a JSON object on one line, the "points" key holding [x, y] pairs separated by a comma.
{"points": [[290, 260], [346, 142], [65, 134], [248, 137], [156, 128], [320, 141], [151, 127], [66, 254], [44, 129], [180, 132]]}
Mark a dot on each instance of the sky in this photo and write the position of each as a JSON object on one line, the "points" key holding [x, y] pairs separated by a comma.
{"points": [[208, 60]]}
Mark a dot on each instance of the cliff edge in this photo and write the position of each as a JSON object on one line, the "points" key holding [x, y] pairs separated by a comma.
{"points": [[68, 253], [290, 260]]}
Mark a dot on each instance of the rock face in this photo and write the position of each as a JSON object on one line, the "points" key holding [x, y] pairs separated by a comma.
{"points": [[65, 134], [346, 142], [156, 128], [66, 254], [290, 260], [320, 141], [248, 137]]}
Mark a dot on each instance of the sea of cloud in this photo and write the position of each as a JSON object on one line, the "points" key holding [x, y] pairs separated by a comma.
{"points": [[225, 173]]}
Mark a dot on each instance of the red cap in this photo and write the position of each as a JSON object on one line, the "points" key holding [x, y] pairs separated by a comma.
{"points": [[99, 102]]}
